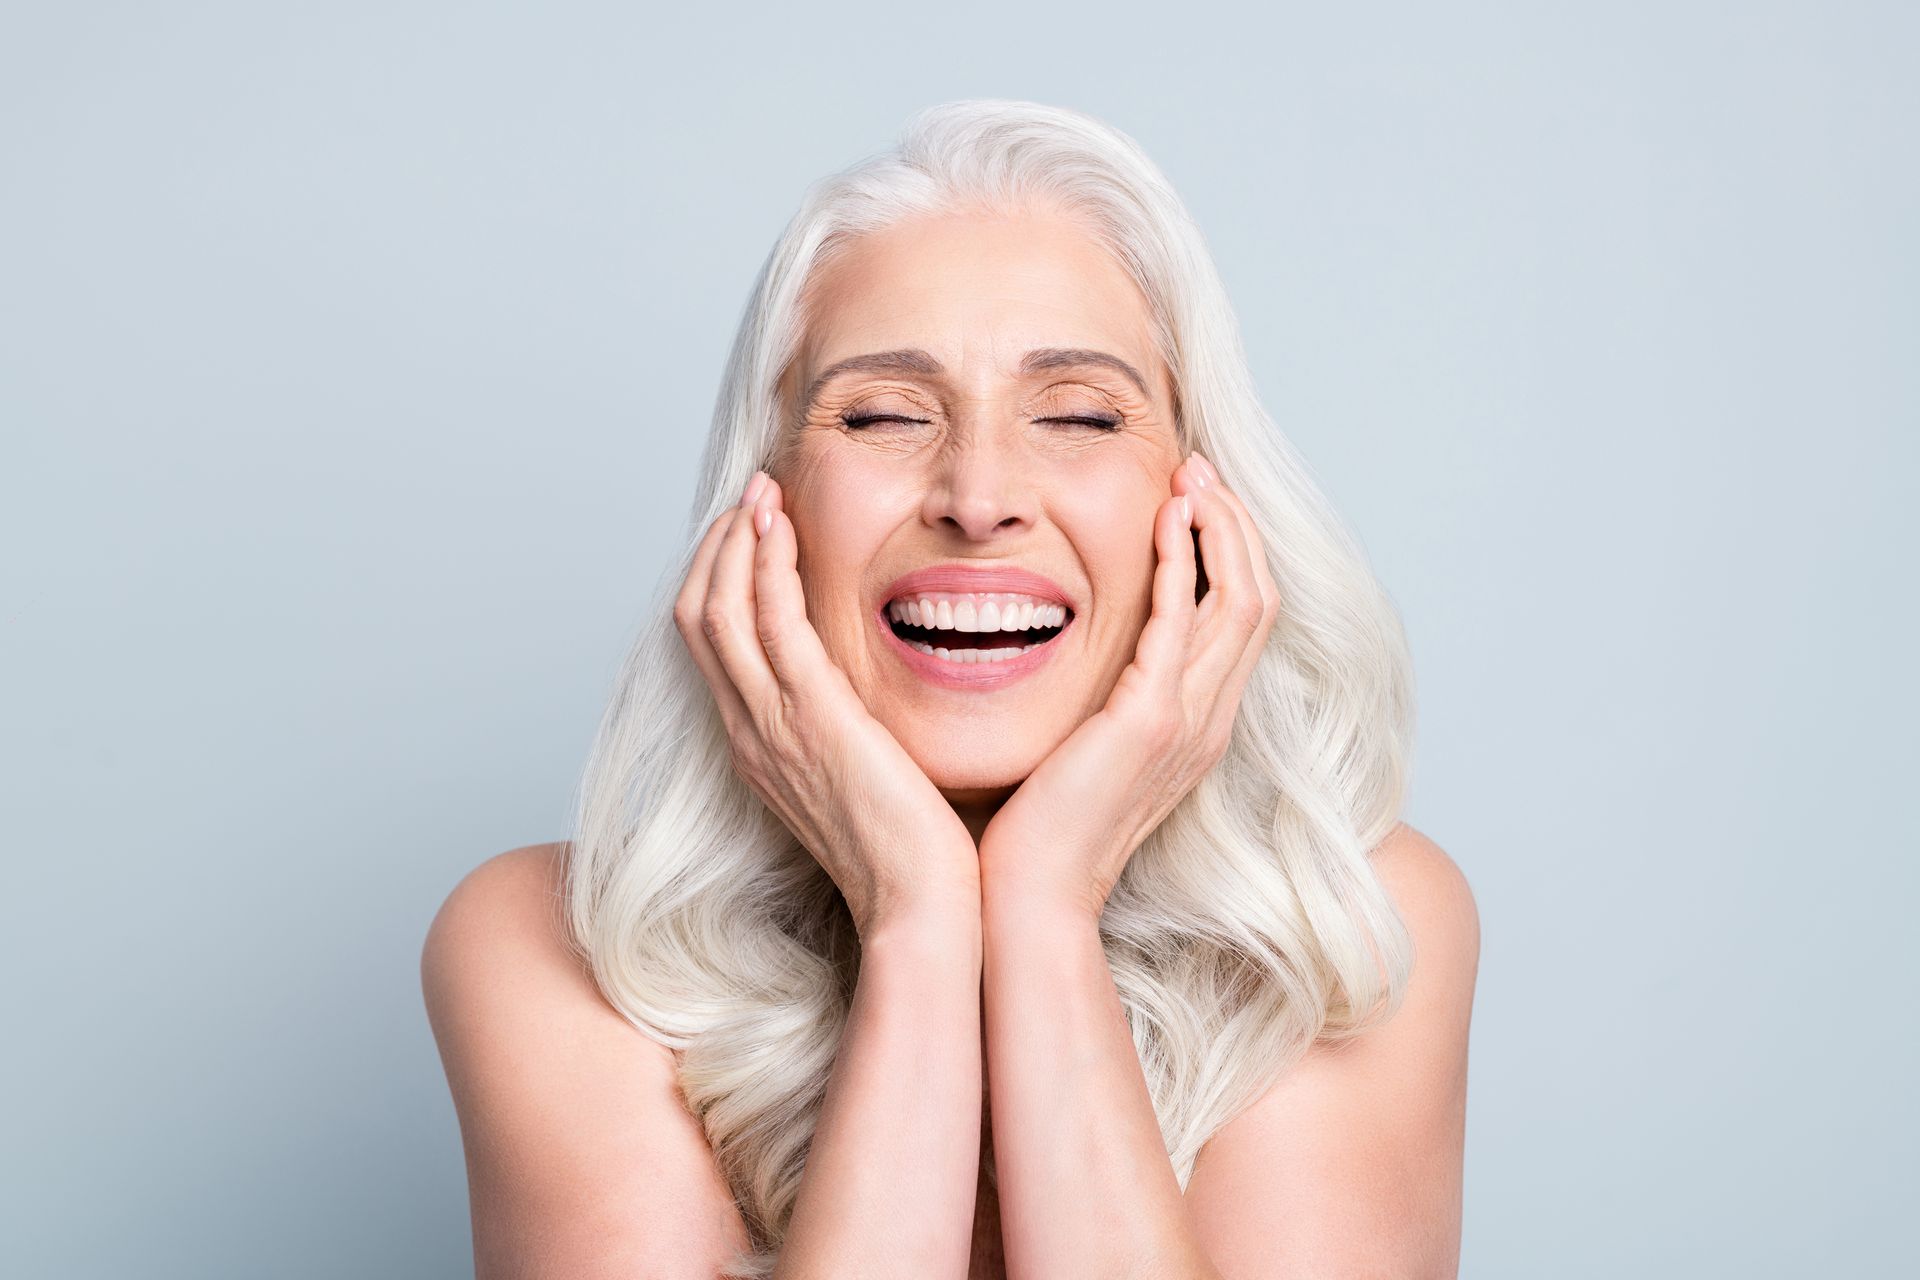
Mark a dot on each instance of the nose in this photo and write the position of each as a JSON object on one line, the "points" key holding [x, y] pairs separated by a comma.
{"points": [[981, 487]]}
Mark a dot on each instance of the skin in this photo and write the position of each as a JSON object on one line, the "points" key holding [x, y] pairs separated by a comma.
{"points": [[982, 476], [976, 836], [980, 462]]}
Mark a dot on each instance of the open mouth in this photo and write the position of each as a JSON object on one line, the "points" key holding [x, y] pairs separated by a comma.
{"points": [[976, 626]]}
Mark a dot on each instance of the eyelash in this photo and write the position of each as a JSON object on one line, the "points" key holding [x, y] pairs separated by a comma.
{"points": [[856, 421]]}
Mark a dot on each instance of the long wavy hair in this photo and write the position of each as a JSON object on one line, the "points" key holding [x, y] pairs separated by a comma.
{"points": [[1249, 925]]}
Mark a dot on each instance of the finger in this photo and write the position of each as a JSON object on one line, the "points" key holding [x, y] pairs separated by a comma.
{"points": [[700, 570], [792, 646], [1263, 576], [1231, 612], [1162, 650], [728, 613], [1262, 570], [1190, 477], [687, 610]]}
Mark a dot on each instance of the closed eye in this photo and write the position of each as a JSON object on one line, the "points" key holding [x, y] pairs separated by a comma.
{"points": [[856, 422]]}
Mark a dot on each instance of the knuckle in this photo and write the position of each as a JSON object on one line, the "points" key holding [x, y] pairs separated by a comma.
{"points": [[714, 622]]}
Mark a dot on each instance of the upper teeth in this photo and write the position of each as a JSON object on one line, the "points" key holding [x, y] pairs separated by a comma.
{"points": [[977, 611]]}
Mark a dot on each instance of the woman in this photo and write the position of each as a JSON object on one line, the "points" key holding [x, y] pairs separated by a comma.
{"points": [[990, 863]]}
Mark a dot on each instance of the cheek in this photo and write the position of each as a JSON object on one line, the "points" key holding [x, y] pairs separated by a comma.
{"points": [[840, 525], [1109, 519], [850, 491]]}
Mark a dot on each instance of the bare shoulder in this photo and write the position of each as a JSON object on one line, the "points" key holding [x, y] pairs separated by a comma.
{"points": [[582, 1158], [497, 959], [501, 914], [1436, 903], [517, 891], [1351, 1162]]}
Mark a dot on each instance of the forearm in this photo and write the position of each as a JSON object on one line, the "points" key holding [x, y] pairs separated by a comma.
{"points": [[892, 1170], [1086, 1188]]}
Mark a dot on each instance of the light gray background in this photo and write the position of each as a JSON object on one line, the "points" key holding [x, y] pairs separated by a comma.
{"points": [[354, 364]]}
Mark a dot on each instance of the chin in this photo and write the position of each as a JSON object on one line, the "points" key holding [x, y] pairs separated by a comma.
{"points": [[976, 785], [961, 774]]}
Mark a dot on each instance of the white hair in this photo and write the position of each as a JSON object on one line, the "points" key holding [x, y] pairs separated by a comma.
{"points": [[1248, 925]]}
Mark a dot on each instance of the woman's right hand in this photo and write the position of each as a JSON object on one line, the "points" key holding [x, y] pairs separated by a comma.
{"points": [[800, 735]]}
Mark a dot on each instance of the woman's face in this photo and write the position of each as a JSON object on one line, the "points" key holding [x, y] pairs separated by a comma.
{"points": [[966, 430]]}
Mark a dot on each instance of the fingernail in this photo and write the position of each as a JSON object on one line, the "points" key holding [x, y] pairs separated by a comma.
{"points": [[1186, 511], [1197, 468], [1213, 476], [754, 486], [763, 520]]}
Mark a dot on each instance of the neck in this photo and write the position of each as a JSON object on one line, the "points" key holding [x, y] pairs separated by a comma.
{"points": [[976, 808]]}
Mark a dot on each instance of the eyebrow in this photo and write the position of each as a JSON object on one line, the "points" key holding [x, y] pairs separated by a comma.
{"points": [[913, 360]]}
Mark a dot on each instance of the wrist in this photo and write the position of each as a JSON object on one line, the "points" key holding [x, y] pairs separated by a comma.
{"points": [[929, 915], [1065, 883], [1031, 904], [923, 946]]}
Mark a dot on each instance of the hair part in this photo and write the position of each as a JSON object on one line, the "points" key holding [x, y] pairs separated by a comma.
{"points": [[1249, 924]]}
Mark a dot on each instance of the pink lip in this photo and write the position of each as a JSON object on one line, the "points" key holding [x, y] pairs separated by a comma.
{"points": [[974, 676]]}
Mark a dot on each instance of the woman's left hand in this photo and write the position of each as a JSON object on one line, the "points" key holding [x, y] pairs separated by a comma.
{"points": [[1064, 835]]}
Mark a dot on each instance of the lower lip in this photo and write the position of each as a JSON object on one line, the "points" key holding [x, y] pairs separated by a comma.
{"points": [[974, 676]]}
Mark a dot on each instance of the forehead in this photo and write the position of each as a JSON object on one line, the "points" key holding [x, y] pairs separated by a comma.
{"points": [[977, 291]]}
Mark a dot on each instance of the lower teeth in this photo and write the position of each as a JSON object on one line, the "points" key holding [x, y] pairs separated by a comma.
{"points": [[970, 655]]}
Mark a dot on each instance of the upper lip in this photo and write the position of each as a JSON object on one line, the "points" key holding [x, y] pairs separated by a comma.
{"points": [[961, 577]]}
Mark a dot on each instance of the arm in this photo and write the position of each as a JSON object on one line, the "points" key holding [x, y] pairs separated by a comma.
{"points": [[1085, 1184], [891, 1173]]}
